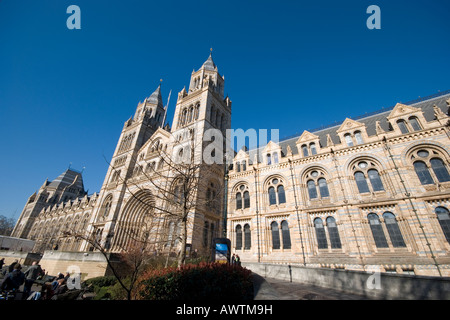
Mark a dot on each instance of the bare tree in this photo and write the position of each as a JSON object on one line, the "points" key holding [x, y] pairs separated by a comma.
{"points": [[6, 225]]}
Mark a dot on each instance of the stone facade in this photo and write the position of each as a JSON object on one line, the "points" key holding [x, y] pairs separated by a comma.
{"points": [[371, 192], [368, 193]]}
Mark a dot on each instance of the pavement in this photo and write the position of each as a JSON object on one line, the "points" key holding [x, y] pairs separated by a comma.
{"points": [[274, 289]]}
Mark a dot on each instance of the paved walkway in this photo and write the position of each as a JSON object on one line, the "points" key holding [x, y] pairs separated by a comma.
{"points": [[274, 289]]}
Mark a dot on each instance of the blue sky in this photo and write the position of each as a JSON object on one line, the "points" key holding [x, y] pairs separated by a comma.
{"points": [[288, 65]]}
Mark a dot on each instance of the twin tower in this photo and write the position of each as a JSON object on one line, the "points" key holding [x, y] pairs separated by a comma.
{"points": [[132, 186]]}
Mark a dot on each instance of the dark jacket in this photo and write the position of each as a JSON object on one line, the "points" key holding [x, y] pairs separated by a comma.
{"points": [[13, 280], [33, 272]]}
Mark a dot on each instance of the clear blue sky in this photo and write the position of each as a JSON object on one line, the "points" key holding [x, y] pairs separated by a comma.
{"points": [[289, 65]]}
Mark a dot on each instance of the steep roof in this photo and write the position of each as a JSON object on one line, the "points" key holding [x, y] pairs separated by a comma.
{"points": [[425, 104], [209, 64], [155, 97], [68, 178]]}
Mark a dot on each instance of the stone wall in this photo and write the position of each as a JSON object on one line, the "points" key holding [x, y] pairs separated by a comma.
{"points": [[89, 264], [369, 284]]}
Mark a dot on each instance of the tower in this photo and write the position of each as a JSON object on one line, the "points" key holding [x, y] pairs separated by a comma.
{"points": [[137, 130], [198, 110]]}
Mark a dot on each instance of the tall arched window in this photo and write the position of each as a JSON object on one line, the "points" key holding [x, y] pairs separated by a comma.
{"points": [[281, 194], [443, 216], [242, 194], [377, 231], [423, 160], [285, 234], [278, 196], [348, 139], [244, 165], [275, 235], [246, 199], [312, 147], [402, 126], [439, 170], [275, 157], [375, 180], [238, 201], [323, 188], [320, 234], [317, 185], [238, 237], [423, 173], [269, 159], [415, 124], [358, 137], [305, 150], [393, 230], [312, 191], [247, 237], [205, 234], [333, 233], [365, 172], [361, 182], [238, 166], [197, 111], [106, 207], [272, 196]]}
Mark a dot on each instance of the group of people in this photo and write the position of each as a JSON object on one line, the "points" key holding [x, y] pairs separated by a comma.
{"points": [[14, 278], [235, 259]]}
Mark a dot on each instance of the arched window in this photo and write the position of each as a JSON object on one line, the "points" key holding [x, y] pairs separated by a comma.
{"points": [[285, 234], [365, 172], [275, 158], [197, 111], [333, 233], [278, 196], [393, 230], [443, 216], [238, 201], [312, 191], [275, 235], [348, 139], [242, 194], [423, 160], [358, 137], [415, 124], [106, 207], [246, 199], [402, 126], [361, 182], [305, 150], [320, 234], [269, 159], [272, 196], [377, 231], [323, 187], [423, 173], [205, 234], [281, 194], [244, 165], [439, 170], [312, 147], [247, 237], [316, 179], [375, 180], [238, 237], [238, 166]]}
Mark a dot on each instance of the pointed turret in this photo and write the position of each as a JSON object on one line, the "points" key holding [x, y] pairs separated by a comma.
{"points": [[209, 63]]}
